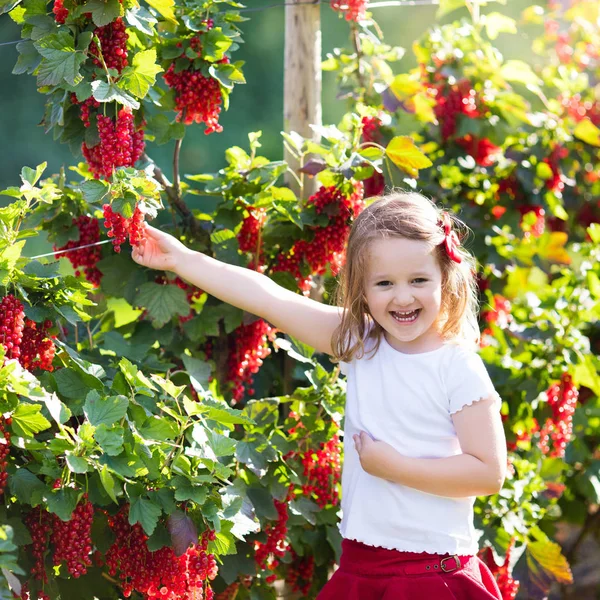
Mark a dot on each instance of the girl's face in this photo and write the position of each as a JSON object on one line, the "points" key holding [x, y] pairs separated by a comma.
{"points": [[403, 289]]}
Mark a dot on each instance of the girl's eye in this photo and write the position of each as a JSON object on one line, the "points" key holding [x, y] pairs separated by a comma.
{"points": [[419, 280], [384, 283]]}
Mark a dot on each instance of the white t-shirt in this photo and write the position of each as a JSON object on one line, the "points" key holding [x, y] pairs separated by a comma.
{"points": [[407, 401]]}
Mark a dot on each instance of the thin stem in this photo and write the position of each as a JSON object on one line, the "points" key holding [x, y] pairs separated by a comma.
{"points": [[176, 181], [101, 57], [359, 56]]}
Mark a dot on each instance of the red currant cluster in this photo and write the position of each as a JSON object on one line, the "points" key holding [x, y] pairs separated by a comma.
{"points": [[300, 573], [37, 347], [499, 313], [86, 105], [160, 574], [60, 12], [327, 248], [353, 10], [39, 523], [556, 432], [12, 323], [522, 434], [5, 423], [113, 43], [197, 98], [250, 234], [481, 149], [579, 109], [322, 472], [455, 100], [555, 182], [508, 586], [119, 227], [267, 554], [72, 539], [121, 145], [89, 233], [247, 350]]}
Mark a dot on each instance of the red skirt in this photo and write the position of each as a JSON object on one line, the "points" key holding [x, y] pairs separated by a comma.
{"points": [[368, 573]]}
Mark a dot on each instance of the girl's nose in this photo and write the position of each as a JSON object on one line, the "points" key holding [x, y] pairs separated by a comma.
{"points": [[404, 297]]}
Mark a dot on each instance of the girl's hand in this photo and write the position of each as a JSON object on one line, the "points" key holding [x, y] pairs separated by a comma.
{"points": [[376, 457], [159, 250]]}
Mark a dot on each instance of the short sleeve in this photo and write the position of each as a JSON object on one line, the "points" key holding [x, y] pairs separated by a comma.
{"points": [[344, 367], [468, 382]]}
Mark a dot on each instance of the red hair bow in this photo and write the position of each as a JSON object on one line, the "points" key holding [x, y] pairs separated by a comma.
{"points": [[451, 241]]}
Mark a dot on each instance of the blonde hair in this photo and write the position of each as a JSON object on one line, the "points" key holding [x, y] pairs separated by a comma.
{"points": [[412, 216]]}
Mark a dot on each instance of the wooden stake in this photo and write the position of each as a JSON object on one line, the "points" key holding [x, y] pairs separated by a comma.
{"points": [[302, 84]]}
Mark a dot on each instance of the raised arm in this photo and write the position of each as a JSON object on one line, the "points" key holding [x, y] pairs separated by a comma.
{"points": [[307, 320]]}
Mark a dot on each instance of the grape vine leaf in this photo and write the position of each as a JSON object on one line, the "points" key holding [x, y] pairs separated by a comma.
{"points": [[60, 62], [141, 75]]}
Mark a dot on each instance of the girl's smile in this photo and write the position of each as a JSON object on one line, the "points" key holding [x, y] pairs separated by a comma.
{"points": [[403, 290]]}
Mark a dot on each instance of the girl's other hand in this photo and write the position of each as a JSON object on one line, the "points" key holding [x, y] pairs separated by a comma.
{"points": [[158, 250]]}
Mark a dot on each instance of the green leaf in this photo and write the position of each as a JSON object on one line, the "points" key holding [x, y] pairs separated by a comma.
{"points": [[103, 12], [262, 500], [76, 464], [145, 512], [94, 190], [305, 507], [587, 132], [109, 92], [448, 6], [519, 71], [105, 411], [60, 62], [226, 75], [221, 444], [28, 175], [163, 130], [141, 75], [164, 8], [28, 420], [497, 23], [185, 490], [198, 371], [110, 439], [62, 502], [108, 483], [26, 487], [158, 428], [163, 302], [214, 45]]}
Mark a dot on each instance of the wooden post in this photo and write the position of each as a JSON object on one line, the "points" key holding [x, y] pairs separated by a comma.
{"points": [[302, 83]]}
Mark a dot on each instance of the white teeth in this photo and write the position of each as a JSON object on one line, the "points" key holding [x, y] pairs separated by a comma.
{"points": [[405, 317]]}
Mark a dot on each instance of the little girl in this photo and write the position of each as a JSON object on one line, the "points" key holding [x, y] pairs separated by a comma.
{"points": [[423, 433]]}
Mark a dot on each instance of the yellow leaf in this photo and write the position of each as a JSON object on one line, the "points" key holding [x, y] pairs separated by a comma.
{"points": [[587, 132], [549, 557], [522, 280], [424, 107], [404, 87], [405, 155], [551, 247]]}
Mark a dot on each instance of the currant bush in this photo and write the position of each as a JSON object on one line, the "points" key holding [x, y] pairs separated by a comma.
{"points": [[39, 523], [300, 573], [60, 12], [508, 586], [267, 553], [322, 469]]}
